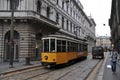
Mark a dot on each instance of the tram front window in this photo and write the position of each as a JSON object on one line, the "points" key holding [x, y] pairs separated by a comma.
{"points": [[46, 45], [52, 45]]}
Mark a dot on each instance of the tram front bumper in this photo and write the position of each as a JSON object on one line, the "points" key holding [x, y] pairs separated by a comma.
{"points": [[48, 63]]}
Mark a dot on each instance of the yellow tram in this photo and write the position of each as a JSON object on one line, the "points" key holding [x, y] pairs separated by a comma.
{"points": [[61, 50]]}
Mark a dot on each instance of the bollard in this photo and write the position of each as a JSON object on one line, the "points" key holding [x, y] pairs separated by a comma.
{"points": [[27, 60]]}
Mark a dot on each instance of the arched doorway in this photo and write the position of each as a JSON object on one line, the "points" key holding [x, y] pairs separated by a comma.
{"points": [[7, 46], [38, 45]]}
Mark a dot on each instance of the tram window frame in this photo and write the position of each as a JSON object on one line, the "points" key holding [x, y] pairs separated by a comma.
{"points": [[68, 45], [58, 45], [52, 45], [82, 47], [46, 46], [75, 47], [63, 46], [79, 47], [85, 47]]}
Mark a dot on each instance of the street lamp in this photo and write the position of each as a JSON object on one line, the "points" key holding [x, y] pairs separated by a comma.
{"points": [[11, 33]]}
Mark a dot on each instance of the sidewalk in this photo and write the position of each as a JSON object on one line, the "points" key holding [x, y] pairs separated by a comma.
{"points": [[104, 71], [5, 67]]}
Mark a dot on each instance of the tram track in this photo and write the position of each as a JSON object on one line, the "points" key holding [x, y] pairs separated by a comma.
{"points": [[17, 70], [25, 72], [42, 73]]}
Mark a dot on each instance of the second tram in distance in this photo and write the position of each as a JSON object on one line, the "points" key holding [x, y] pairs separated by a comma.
{"points": [[62, 50]]}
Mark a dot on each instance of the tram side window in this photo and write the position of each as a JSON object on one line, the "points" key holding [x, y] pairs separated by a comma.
{"points": [[76, 47], [58, 45], [79, 49], [72, 47], [69, 46], [52, 45], [82, 47], [85, 47], [63, 46], [46, 45]]}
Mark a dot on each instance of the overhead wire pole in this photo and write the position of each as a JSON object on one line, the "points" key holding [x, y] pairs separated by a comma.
{"points": [[11, 33]]}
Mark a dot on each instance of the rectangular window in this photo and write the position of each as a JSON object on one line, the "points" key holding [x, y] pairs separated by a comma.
{"points": [[74, 31], [46, 45], [62, 22], [67, 8], [52, 45], [63, 46], [79, 48], [57, 2], [71, 27], [38, 6], [16, 4], [70, 46], [48, 12], [57, 17], [58, 45], [67, 25], [63, 5], [71, 11]]}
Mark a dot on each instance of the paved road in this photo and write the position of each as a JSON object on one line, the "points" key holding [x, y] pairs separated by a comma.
{"points": [[77, 71], [108, 74]]}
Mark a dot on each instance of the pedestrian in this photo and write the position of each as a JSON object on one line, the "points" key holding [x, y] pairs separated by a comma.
{"points": [[114, 60], [110, 51]]}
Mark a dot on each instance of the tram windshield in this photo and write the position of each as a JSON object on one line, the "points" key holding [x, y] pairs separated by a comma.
{"points": [[52, 45], [46, 45], [49, 45]]}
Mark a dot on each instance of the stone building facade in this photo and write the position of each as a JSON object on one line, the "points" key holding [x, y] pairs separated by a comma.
{"points": [[114, 23], [91, 38], [34, 19], [103, 41]]}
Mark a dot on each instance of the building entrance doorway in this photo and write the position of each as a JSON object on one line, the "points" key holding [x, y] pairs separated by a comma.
{"points": [[7, 46]]}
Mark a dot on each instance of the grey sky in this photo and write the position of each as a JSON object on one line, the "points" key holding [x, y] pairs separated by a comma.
{"points": [[100, 11]]}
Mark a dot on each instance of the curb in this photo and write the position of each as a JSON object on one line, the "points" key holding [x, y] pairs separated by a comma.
{"points": [[91, 71], [101, 71]]}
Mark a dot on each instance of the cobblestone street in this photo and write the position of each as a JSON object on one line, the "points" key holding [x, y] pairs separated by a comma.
{"points": [[77, 71]]}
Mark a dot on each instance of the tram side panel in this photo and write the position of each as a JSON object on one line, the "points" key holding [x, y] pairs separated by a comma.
{"points": [[61, 58], [71, 56]]}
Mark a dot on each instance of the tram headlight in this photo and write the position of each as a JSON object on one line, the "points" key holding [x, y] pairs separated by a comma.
{"points": [[53, 59], [46, 57]]}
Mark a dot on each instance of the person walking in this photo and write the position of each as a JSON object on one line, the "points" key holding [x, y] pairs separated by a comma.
{"points": [[114, 56]]}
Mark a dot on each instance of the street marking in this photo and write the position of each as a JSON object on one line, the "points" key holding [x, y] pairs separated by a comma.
{"points": [[94, 72], [108, 66]]}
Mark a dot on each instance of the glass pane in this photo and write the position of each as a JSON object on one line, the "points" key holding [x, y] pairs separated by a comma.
{"points": [[63, 46], [46, 45], [52, 42], [63, 42], [58, 45]]}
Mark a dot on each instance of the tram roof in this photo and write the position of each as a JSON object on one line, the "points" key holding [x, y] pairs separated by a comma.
{"points": [[61, 37]]}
